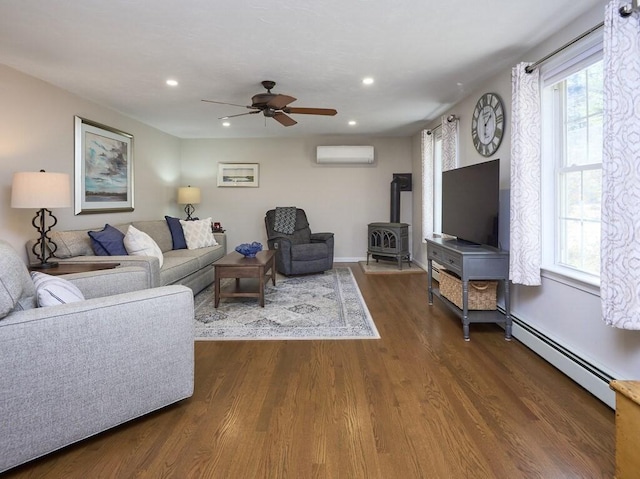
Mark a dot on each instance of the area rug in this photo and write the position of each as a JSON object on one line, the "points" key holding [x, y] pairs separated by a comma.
{"points": [[389, 267], [318, 306]]}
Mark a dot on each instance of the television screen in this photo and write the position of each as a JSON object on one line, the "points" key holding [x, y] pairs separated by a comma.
{"points": [[470, 203]]}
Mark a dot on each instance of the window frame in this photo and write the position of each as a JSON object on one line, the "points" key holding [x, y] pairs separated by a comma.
{"points": [[570, 61]]}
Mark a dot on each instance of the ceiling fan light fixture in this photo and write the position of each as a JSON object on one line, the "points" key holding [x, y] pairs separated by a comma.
{"points": [[172, 82], [367, 81], [352, 123], [274, 105], [226, 124]]}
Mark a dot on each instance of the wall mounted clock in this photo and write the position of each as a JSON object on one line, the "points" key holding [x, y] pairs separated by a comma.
{"points": [[487, 124]]}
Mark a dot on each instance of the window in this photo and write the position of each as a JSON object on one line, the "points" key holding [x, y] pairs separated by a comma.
{"points": [[431, 181], [572, 166]]}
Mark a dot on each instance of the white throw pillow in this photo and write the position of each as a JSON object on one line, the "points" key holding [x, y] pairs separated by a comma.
{"points": [[139, 243], [53, 290], [198, 233]]}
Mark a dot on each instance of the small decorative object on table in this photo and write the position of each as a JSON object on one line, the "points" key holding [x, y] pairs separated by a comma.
{"points": [[249, 250], [217, 227]]}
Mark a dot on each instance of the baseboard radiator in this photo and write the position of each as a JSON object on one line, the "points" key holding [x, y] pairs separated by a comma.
{"points": [[578, 369]]}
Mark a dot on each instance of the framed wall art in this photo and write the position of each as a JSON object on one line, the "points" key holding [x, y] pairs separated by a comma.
{"points": [[103, 168], [238, 174]]}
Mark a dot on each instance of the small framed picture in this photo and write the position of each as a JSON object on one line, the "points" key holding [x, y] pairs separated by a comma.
{"points": [[238, 174], [103, 168]]}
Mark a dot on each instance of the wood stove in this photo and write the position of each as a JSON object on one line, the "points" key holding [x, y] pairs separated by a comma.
{"points": [[389, 240]]}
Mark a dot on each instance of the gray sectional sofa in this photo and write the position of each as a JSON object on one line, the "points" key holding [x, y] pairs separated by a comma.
{"points": [[189, 267], [74, 370]]}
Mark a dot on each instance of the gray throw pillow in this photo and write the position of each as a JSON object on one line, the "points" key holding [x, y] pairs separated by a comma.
{"points": [[16, 289]]}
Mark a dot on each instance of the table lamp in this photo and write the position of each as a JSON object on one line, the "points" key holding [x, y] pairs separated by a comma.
{"points": [[41, 190], [189, 195]]}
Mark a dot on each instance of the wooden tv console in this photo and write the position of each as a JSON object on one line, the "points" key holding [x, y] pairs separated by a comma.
{"points": [[470, 262]]}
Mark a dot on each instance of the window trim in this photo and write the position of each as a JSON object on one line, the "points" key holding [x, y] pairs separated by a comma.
{"points": [[572, 60]]}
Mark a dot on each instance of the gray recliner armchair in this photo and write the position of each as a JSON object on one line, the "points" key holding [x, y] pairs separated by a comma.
{"points": [[298, 250]]}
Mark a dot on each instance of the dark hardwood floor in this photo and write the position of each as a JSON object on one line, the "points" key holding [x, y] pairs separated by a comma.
{"points": [[418, 403]]}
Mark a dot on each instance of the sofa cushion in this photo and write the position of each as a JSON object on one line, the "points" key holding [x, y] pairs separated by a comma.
{"points": [[159, 232], [109, 241], [53, 290], [204, 256], [72, 243], [177, 266], [177, 235], [139, 243], [309, 252], [198, 233], [16, 288], [302, 236]]}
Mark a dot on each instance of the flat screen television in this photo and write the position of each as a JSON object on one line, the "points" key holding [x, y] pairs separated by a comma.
{"points": [[470, 203]]}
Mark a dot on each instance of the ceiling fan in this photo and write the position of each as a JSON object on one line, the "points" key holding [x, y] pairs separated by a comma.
{"points": [[274, 105]]}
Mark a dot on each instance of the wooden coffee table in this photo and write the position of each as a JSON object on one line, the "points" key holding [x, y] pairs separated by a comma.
{"points": [[235, 265]]}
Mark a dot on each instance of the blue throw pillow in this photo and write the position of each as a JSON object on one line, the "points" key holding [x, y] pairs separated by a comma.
{"points": [[177, 234], [97, 248], [108, 242]]}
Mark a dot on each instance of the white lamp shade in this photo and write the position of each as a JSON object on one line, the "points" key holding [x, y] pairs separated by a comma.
{"points": [[39, 189], [188, 195]]}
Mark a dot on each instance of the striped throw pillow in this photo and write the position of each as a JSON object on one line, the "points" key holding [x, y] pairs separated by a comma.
{"points": [[52, 290]]}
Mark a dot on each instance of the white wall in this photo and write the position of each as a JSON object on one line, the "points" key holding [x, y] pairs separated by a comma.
{"points": [[342, 199], [37, 132], [568, 315]]}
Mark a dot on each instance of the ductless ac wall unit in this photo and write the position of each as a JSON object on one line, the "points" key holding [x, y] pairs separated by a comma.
{"points": [[344, 154]]}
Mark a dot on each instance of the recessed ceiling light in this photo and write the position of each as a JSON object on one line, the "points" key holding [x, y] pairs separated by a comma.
{"points": [[367, 81], [353, 122], [226, 123], [172, 82]]}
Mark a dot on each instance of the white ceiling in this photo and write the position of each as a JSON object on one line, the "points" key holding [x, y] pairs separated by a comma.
{"points": [[423, 54]]}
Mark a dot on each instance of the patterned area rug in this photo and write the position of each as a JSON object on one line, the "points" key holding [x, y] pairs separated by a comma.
{"points": [[319, 306]]}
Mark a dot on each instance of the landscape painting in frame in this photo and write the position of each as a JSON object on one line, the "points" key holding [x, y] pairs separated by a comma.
{"points": [[238, 174], [103, 168]]}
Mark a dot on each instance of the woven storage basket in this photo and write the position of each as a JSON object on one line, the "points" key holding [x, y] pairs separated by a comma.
{"points": [[482, 294]]}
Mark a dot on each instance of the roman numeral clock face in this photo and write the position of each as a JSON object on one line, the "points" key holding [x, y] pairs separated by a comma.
{"points": [[487, 124]]}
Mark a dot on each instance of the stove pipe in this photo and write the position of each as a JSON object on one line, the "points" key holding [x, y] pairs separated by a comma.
{"points": [[394, 217]]}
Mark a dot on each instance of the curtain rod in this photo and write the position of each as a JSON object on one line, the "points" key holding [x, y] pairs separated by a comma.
{"points": [[533, 66], [625, 11]]}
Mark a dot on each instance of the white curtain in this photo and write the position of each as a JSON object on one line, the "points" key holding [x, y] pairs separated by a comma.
{"points": [[427, 183], [449, 143], [525, 210], [620, 248]]}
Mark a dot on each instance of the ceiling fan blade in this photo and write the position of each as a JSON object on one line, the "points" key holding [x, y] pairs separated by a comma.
{"points": [[283, 119], [224, 103], [280, 101], [311, 111], [239, 114]]}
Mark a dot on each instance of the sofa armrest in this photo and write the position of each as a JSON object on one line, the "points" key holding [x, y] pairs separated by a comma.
{"points": [[74, 370], [281, 244], [96, 284], [321, 237], [149, 263], [221, 238]]}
